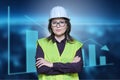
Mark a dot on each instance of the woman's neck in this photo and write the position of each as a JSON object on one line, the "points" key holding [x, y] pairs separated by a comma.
{"points": [[59, 38]]}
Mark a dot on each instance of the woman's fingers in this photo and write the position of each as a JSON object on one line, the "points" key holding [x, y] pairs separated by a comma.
{"points": [[40, 65], [40, 62], [76, 59], [39, 58]]}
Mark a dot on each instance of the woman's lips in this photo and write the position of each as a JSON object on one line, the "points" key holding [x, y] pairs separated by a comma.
{"points": [[58, 30]]}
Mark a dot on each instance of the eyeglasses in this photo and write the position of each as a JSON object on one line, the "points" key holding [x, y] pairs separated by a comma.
{"points": [[61, 23]]}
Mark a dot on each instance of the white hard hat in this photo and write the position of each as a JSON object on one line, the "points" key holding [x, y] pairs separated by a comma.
{"points": [[58, 12]]}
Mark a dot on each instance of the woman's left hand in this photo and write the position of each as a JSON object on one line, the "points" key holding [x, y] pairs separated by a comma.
{"points": [[76, 59], [42, 62]]}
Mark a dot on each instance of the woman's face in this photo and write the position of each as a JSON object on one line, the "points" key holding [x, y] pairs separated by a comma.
{"points": [[59, 26]]}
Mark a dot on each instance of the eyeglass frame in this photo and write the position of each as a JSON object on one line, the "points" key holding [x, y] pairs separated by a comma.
{"points": [[58, 23]]}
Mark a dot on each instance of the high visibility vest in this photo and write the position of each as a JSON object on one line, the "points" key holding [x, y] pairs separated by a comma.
{"points": [[52, 55]]}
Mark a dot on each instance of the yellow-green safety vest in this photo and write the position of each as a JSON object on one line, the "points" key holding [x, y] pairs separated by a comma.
{"points": [[51, 54]]}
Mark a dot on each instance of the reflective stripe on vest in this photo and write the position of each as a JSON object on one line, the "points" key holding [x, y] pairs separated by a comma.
{"points": [[51, 54]]}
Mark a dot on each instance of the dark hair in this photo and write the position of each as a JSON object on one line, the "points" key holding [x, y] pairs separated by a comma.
{"points": [[67, 33]]}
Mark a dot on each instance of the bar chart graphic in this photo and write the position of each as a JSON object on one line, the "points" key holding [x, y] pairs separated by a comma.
{"points": [[102, 60], [91, 52], [31, 38], [92, 55]]}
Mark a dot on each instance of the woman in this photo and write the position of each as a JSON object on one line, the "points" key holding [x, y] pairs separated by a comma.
{"points": [[58, 57]]}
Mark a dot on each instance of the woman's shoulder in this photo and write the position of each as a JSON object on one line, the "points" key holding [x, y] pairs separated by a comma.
{"points": [[77, 42], [42, 39]]}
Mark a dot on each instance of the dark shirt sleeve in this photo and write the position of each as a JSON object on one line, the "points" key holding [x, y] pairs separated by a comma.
{"points": [[39, 53], [44, 69], [59, 68]]}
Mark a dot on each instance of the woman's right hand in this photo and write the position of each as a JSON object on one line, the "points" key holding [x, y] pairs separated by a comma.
{"points": [[42, 62]]}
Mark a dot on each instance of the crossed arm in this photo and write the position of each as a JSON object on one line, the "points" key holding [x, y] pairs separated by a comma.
{"points": [[42, 62], [45, 67]]}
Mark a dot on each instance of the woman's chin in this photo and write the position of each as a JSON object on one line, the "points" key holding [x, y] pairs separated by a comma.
{"points": [[59, 35]]}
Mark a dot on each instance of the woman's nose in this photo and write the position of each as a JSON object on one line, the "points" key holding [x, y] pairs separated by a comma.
{"points": [[58, 25]]}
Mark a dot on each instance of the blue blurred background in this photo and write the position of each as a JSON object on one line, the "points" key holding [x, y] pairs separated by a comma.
{"points": [[96, 23]]}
